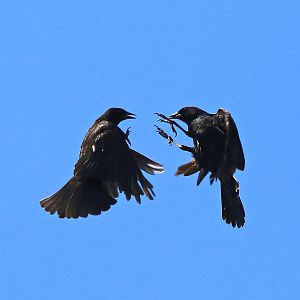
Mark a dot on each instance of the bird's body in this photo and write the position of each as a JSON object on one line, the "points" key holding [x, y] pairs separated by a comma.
{"points": [[216, 136], [209, 140], [217, 149], [106, 167]]}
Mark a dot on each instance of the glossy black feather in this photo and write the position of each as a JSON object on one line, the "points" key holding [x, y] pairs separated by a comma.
{"points": [[217, 149], [105, 168]]}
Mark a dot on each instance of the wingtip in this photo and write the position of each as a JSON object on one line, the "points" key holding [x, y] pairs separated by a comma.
{"points": [[157, 168]]}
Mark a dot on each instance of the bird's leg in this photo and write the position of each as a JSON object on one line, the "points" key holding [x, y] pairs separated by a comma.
{"points": [[171, 141], [127, 135], [173, 123]]}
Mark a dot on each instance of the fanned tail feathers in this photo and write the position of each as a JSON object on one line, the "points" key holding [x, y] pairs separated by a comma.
{"points": [[79, 197]]}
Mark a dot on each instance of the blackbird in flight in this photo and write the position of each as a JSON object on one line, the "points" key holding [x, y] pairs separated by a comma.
{"points": [[105, 168], [217, 149]]}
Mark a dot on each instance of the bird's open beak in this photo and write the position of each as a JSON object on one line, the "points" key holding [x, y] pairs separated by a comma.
{"points": [[130, 115], [175, 116]]}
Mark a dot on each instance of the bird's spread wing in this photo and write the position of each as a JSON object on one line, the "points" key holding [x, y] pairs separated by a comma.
{"points": [[105, 154], [146, 164]]}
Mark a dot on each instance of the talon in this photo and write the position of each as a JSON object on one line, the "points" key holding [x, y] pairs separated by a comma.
{"points": [[163, 118], [161, 115], [173, 129], [128, 131], [127, 135], [163, 134]]}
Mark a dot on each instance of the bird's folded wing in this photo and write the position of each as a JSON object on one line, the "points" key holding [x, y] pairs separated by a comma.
{"points": [[234, 149]]}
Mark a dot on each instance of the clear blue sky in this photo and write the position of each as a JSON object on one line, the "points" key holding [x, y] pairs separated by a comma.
{"points": [[63, 63]]}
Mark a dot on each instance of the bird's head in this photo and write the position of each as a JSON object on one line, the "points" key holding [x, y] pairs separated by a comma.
{"points": [[116, 115], [188, 114]]}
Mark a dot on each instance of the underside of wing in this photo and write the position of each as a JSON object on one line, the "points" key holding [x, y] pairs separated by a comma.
{"points": [[146, 164], [109, 158]]}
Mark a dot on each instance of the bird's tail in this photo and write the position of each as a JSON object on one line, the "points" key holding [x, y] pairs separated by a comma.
{"points": [[187, 169], [232, 208], [191, 168], [79, 197]]}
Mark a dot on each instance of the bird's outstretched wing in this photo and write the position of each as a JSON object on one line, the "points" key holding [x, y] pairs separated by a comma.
{"points": [[106, 155]]}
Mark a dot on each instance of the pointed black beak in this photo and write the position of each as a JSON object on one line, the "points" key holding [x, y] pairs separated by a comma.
{"points": [[130, 115], [175, 116]]}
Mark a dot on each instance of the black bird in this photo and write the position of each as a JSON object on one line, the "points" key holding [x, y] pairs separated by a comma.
{"points": [[106, 167], [217, 149]]}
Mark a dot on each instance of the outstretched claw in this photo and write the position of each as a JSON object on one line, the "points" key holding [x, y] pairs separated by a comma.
{"points": [[173, 128], [171, 141], [128, 131], [164, 135], [173, 123], [127, 135], [165, 119], [162, 116]]}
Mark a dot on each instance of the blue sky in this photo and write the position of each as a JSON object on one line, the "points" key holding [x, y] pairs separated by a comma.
{"points": [[63, 63]]}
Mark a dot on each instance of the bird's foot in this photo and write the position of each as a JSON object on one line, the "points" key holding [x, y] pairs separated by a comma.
{"points": [[128, 131], [165, 119], [164, 135], [127, 135]]}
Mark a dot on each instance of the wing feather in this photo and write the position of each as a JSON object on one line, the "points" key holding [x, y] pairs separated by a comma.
{"points": [[105, 154]]}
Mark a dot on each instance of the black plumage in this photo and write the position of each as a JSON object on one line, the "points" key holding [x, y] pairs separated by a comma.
{"points": [[106, 167], [217, 149]]}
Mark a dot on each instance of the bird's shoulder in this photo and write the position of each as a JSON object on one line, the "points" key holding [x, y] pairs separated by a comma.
{"points": [[100, 131], [205, 122]]}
